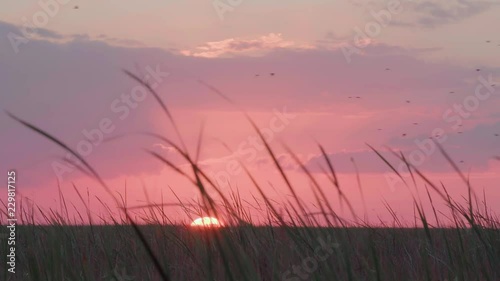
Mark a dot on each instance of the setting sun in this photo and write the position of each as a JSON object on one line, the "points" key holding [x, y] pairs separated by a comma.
{"points": [[206, 222]]}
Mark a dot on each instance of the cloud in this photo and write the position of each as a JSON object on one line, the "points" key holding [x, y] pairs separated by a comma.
{"points": [[431, 14], [40, 33], [45, 33], [121, 42], [239, 46], [161, 146], [472, 151]]}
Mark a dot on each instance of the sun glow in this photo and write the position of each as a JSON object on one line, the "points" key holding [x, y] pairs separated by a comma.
{"points": [[206, 222]]}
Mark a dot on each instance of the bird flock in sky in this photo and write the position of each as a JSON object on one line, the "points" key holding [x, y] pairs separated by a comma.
{"points": [[271, 74], [409, 101]]}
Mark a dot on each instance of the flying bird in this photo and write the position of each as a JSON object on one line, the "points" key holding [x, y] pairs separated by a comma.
{"points": [[272, 73], [404, 135], [478, 69], [408, 101], [76, 7]]}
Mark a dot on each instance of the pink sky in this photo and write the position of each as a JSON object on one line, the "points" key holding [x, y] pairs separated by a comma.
{"points": [[389, 74]]}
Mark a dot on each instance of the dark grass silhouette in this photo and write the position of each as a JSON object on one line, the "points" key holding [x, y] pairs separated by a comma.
{"points": [[142, 243]]}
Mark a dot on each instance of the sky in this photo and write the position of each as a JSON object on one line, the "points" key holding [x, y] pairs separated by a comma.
{"points": [[392, 75]]}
